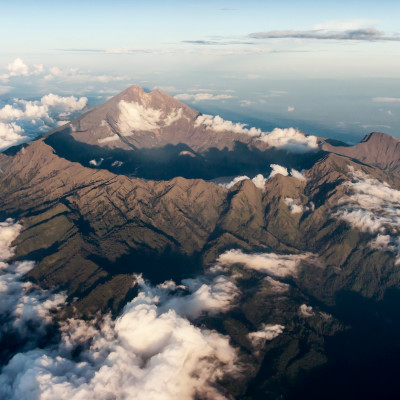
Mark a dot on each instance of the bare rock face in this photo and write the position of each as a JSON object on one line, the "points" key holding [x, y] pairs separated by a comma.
{"points": [[378, 149]]}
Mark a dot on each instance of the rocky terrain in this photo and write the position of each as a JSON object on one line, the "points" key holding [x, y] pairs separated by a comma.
{"points": [[314, 253]]}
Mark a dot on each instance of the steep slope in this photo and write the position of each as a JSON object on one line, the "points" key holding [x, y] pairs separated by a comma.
{"points": [[378, 149]]}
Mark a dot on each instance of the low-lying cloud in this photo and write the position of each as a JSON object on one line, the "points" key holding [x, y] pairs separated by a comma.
{"points": [[195, 97], [374, 207], [276, 265], [267, 332], [151, 351], [289, 139]]}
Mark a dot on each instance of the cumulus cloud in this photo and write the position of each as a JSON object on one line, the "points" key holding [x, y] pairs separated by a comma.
{"points": [[290, 139], [276, 265], [148, 352], [363, 34], [24, 119], [267, 332], [374, 207], [293, 206], [96, 163], [290, 109], [306, 311], [298, 175], [151, 351], [19, 68], [218, 124], [24, 309], [278, 169], [136, 117], [258, 180], [195, 97]]}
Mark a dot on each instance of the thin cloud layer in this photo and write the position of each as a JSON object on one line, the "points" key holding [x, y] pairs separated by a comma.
{"points": [[276, 265], [267, 332], [195, 97], [364, 34]]}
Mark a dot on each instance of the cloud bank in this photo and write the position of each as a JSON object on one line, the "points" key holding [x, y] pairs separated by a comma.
{"points": [[267, 332], [289, 139], [151, 351], [23, 119]]}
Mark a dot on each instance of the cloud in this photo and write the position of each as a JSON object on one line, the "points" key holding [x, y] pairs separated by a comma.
{"points": [[19, 68], [24, 119], [290, 139], [306, 311], [148, 352], [276, 265], [298, 175], [109, 139], [245, 103], [195, 97], [4, 89], [151, 351], [258, 180], [267, 332], [218, 124], [278, 169], [24, 309], [293, 206], [374, 207], [386, 99], [136, 117], [363, 34], [290, 109]]}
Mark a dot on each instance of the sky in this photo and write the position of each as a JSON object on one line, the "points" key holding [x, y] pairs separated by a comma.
{"points": [[329, 69]]}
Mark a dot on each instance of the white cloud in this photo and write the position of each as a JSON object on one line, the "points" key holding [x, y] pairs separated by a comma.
{"points": [[276, 265], [290, 109], [298, 175], [205, 297], [290, 139], [278, 169], [293, 205], [258, 180], [146, 353], [4, 89], [195, 97], [306, 311], [9, 231], [374, 207], [151, 351], [386, 99], [136, 117], [109, 139], [10, 135], [23, 307], [245, 103], [24, 119], [96, 163], [267, 332], [218, 124]]}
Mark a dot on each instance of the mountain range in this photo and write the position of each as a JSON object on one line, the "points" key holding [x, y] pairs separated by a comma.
{"points": [[304, 228]]}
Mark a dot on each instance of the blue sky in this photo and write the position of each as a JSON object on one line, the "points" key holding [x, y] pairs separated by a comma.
{"points": [[328, 68]]}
